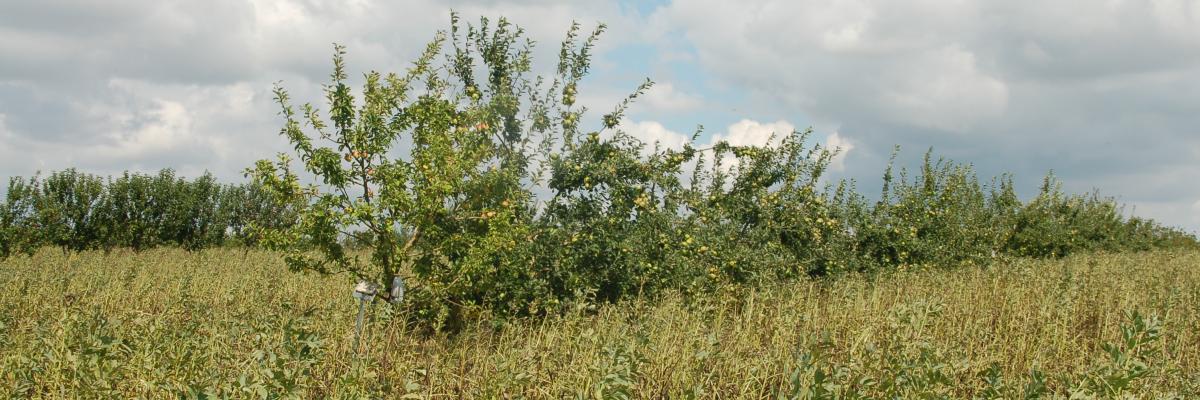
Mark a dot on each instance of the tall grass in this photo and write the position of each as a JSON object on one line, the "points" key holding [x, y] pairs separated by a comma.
{"points": [[228, 323]]}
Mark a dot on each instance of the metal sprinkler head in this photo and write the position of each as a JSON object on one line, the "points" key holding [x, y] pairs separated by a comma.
{"points": [[365, 291]]}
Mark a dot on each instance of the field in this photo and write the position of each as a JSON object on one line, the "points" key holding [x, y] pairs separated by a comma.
{"points": [[235, 323]]}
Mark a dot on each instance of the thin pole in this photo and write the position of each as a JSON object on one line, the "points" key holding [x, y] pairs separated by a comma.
{"points": [[362, 306]]}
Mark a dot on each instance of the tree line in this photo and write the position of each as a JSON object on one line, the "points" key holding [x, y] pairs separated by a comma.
{"points": [[78, 211]]}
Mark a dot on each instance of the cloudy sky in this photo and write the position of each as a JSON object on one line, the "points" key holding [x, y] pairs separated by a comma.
{"points": [[1104, 92]]}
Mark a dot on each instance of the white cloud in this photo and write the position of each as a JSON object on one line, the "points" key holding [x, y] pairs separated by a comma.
{"points": [[745, 132], [664, 97], [843, 146], [651, 133], [167, 129], [749, 132], [753, 133]]}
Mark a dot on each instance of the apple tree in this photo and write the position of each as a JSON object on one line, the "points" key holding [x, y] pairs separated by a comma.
{"points": [[432, 169]]}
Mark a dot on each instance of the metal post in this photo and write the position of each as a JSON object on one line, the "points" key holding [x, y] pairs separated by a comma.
{"points": [[364, 292], [362, 307]]}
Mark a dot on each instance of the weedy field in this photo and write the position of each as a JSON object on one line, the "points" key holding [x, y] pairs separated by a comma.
{"points": [[230, 323]]}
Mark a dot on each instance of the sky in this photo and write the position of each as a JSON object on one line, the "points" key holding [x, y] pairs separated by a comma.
{"points": [[1106, 93]]}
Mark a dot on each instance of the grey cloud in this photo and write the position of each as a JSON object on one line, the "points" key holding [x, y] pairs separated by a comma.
{"points": [[43, 116], [147, 84], [70, 42], [1102, 93], [1083, 39]]}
